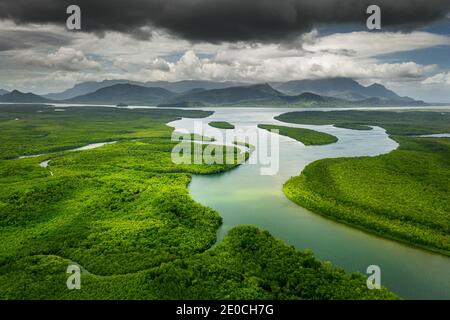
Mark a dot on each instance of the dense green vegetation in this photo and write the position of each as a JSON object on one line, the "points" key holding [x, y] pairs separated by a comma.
{"points": [[396, 123], [196, 137], [221, 125], [248, 263], [29, 129], [401, 195], [123, 212], [305, 136]]}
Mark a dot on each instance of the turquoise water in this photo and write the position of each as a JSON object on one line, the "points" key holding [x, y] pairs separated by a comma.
{"points": [[244, 196]]}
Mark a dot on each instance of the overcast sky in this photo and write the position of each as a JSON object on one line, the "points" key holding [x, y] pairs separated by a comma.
{"points": [[245, 40]]}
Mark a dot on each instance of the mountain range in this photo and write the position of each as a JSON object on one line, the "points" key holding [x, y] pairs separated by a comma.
{"points": [[175, 87], [327, 92], [343, 88], [2, 92]]}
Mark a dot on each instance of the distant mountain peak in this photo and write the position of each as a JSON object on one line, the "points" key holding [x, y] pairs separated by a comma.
{"points": [[17, 96], [342, 88], [376, 85], [126, 93], [264, 87]]}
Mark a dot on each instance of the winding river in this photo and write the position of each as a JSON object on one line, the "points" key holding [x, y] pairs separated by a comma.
{"points": [[244, 196]]}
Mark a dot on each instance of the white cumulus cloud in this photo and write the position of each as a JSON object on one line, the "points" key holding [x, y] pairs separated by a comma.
{"points": [[440, 78], [68, 59], [264, 64]]}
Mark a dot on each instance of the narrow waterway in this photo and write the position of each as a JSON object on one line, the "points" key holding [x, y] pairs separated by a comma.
{"points": [[244, 196], [45, 163]]}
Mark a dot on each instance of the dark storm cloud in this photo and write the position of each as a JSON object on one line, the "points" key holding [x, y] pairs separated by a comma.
{"points": [[224, 20]]}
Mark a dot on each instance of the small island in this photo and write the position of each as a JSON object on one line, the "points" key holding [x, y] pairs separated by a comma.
{"points": [[306, 136], [221, 125], [122, 105]]}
